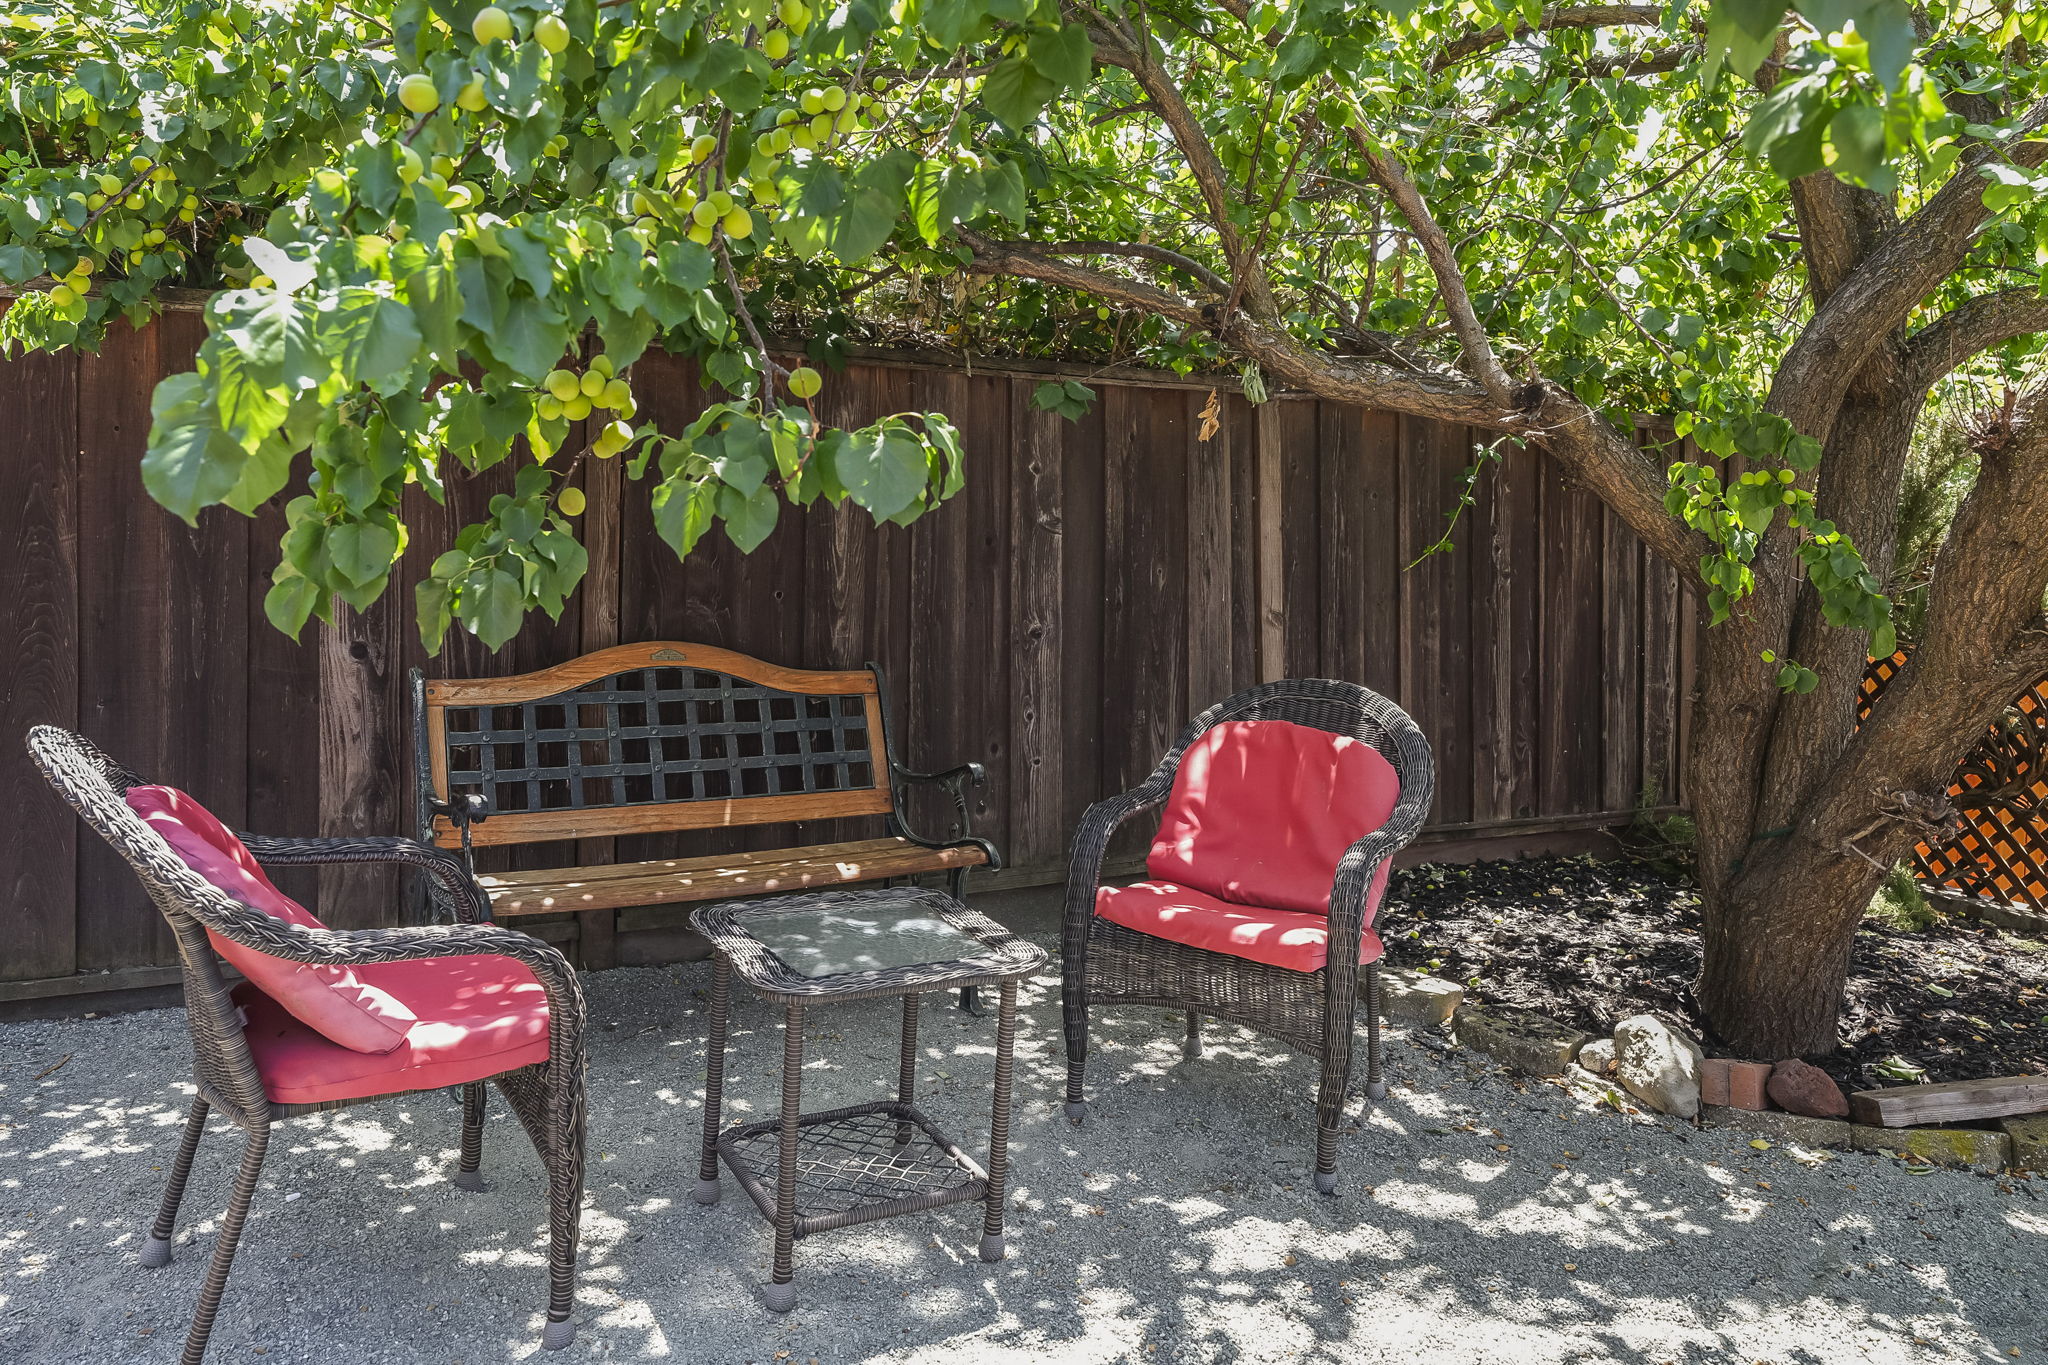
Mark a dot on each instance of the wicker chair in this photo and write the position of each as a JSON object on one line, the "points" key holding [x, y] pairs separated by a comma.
{"points": [[1105, 963], [547, 1096]]}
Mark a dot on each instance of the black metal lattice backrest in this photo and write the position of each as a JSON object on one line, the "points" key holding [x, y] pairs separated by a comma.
{"points": [[658, 736]]}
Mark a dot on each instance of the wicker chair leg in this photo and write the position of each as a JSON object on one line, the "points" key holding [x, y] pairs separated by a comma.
{"points": [[992, 1248], [780, 1295], [224, 1249], [714, 1080], [1076, 1019], [467, 1174], [1326, 1159], [1375, 1078], [1191, 1044], [906, 1066], [565, 1216], [157, 1250]]}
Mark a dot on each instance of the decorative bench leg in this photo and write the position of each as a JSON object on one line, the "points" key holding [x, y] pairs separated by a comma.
{"points": [[906, 1066], [1191, 1045], [999, 1126], [714, 1080], [224, 1249], [467, 1174], [157, 1250], [781, 1294], [970, 996]]}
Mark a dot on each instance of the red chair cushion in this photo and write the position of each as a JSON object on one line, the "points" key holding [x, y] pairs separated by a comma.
{"points": [[1262, 811], [335, 1001], [477, 1016], [1278, 938]]}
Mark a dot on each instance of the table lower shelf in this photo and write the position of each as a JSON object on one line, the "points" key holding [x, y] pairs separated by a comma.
{"points": [[855, 1165]]}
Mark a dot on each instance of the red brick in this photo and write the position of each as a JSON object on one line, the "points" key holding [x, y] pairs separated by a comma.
{"points": [[1739, 1085]]}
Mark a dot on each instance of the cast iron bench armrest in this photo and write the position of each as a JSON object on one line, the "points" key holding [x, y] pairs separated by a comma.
{"points": [[955, 781], [452, 881]]}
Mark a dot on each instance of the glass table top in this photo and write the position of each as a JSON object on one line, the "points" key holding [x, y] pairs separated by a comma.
{"points": [[819, 943]]}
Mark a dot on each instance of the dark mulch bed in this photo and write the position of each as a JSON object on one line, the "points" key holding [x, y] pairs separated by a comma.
{"points": [[1590, 943]]}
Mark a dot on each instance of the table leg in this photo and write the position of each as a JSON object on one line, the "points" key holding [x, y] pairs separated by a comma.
{"points": [[714, 1079], [999, 1126], [781, 1294], [906, 1068]]}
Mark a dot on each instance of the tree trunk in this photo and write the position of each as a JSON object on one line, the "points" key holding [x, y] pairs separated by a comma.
{"points": [[1775, 949]]}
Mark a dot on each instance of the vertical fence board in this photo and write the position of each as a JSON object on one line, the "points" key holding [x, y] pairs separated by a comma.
{"points": [[1210, 589], [39, 629], [1379, 479], [1037, 793], [1083, 645], [1569, 746], [1621, 671], [1344, 624], [125, 598]]}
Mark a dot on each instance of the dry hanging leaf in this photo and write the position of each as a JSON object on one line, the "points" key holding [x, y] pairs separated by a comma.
{"points": [[1212, 416]]}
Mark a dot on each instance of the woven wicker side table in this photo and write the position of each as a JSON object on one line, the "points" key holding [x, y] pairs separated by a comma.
{"points": [[813, 1172]]}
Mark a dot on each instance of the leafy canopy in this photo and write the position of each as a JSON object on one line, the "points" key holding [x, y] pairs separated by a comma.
{"points": [[441, 233]]}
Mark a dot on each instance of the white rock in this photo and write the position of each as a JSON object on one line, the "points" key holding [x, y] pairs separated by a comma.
{"points": [[1598, 1056], [1659, 1065]]}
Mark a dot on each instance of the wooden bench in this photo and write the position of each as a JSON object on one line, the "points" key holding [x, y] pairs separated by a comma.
{"points": [[666, 736]]}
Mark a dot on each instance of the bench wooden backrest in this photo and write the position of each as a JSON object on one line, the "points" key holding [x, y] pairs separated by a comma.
{"points": [[651, 737]]}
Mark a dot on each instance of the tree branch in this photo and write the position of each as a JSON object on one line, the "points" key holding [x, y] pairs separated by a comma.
{"points": [[1450, 280], [1207, 170], [1971, 328], [1209, 278], [1580, 16], [1888, 284]]}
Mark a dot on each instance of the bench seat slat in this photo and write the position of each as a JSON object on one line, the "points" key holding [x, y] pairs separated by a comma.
{"points": [[615, 886]]}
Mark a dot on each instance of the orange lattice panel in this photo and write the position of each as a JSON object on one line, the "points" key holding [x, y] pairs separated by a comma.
{"points": [[2000, 847]]}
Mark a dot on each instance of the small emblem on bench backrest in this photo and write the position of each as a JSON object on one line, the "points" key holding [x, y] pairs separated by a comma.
{"points": [[667, 654]]}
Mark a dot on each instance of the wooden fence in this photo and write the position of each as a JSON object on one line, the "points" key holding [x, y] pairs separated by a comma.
{"points": [[1095, 583]]}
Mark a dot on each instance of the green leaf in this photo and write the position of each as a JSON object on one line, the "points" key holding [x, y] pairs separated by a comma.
{"points": [[189, 462], [875, 198], [683, 513], [290, 602], [883, 469], [1062, 55], [20, 264], [272, 332], [493, 606], [1015, 91], [362, 550], [748, 520], [376, 338]]}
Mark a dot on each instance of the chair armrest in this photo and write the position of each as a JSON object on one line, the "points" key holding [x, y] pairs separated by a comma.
{"points": [[1098, 825], [954, 781], [1361, 863], [450, 879]]}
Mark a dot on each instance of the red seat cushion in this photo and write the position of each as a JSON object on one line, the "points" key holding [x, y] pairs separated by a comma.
{"points": [[335, 1001], [1278, 938], [1262, 811], [476, 1016]]}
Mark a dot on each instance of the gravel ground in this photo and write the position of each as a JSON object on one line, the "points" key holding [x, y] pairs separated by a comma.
{"points": [[1480, 1219]]}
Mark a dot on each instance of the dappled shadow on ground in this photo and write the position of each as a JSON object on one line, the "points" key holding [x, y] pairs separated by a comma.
{"points": [[1479, 1219]]}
